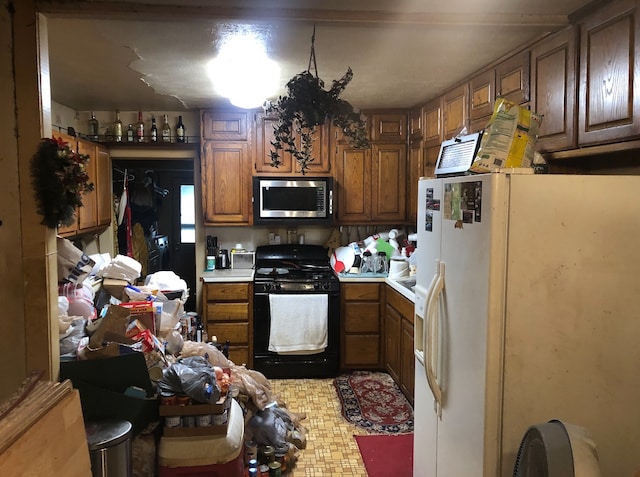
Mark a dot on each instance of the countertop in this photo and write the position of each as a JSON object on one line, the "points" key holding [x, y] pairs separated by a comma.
{"points": [[402, 289], [379, 277], [228, 275], [246, 275]]}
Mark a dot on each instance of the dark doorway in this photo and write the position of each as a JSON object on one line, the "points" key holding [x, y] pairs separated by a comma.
{"points": [[160, 195]]}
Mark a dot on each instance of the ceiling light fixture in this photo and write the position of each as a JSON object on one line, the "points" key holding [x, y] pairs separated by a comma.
{"points": [[243, 73]]}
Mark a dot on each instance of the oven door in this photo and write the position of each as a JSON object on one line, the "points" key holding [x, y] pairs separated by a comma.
{"points": [[275, 365]]}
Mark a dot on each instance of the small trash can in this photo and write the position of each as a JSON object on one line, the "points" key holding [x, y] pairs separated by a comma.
{"points": [[109, 448]]}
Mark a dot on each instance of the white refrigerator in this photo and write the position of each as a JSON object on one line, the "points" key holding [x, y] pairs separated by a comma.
{"points": [[527, 309]]}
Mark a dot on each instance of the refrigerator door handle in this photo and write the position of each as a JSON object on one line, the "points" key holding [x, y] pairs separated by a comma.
{"points": [[420, 314], [432, 343]]}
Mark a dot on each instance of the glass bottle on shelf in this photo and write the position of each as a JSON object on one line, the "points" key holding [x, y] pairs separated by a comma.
{"points": [[117, 128], [140, 128], [180, 134], [130, 133], [166, 130], [93, 127], [154, 130]]}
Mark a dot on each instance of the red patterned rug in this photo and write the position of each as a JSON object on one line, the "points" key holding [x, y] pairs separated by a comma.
{"points": [[373, 401]]}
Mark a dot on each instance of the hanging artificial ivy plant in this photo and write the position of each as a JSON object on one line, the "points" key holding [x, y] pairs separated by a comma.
{"points": [[307, 106], [59, 178]]}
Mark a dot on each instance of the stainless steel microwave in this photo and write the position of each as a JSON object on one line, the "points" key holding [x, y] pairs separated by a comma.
{"points": [[282, 200]]}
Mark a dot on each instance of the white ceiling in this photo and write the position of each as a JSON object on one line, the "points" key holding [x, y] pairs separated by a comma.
{"points": [[107, 55]]}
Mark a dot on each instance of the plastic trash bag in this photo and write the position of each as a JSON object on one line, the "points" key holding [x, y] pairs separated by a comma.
{"points": [[194, 377], [270, 427]]}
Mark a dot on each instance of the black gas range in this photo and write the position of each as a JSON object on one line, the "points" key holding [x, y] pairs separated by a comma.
{"points": [[294, 268], [302, 274]]}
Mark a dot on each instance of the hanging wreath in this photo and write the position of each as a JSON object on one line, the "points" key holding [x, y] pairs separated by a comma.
{"points": [[307, 106], [59, 177]]}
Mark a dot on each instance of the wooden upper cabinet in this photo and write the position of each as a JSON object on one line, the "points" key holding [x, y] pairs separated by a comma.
{"points": [[430, 156], [225, 125], [432, 123], [388, 127], [414, 172], [553, 90], [609, 90], [88, 213], [512, 78], [321, 164], [226, 183], [415, 123], [264, 136], [389, 173], [483, 94], [353, 177], [104, 188], [71, 229], [455, 108]]}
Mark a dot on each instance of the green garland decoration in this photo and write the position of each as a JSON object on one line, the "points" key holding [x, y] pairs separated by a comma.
{"points": [[59, 178]]}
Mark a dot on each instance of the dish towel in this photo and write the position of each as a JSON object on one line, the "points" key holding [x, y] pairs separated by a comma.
{"points": [[299, 323]]}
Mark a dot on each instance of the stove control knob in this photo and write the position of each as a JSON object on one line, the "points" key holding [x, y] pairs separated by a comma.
{"points": [[278, 286], [327, 285], [316, 286], [267, 286]]}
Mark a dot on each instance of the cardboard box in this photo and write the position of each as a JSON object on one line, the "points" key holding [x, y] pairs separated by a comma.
{"points": [[115, 288], [102, 384], [144, 311]]}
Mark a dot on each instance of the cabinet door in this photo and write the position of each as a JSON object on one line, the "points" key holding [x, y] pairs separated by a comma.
{"points": [[430, 158], [415, 167], [455, 108], [512, 78], [389, 173], [264, 137], [553, 90], [609, 92], [388, 127], [71, 229], [432, 135], [88, 213], [407, 360], [321, 164], [392, 328], [103, 186], [353, 174], [225, 125], [416, 123], [483, 94], [226, 191]]}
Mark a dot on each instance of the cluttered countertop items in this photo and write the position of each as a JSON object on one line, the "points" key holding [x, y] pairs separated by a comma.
{"points": [[386, 256], [222, 266]]}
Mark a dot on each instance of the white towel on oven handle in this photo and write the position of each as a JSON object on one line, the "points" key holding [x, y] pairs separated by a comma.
{"points": [[299, 323]]}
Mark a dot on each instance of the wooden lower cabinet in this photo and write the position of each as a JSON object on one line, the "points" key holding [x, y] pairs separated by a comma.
{"points": [[360, 306], [398, 341], [228, 314]]}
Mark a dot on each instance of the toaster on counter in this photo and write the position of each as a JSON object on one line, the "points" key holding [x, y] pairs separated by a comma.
{"points": [[242, 260]]}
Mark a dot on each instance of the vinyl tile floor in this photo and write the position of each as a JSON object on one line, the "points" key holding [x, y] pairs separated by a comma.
{"points": [[331, 448]]}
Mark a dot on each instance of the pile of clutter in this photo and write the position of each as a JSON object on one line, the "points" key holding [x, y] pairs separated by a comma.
{"points": [[105, 312]]}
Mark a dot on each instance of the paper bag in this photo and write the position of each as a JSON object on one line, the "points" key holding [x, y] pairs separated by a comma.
{"points": [[73, 264]]}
